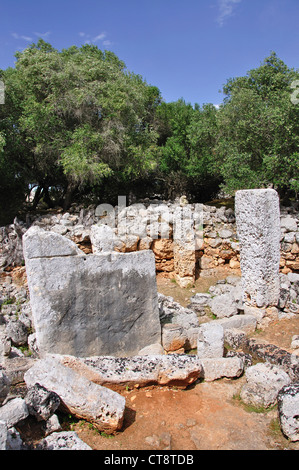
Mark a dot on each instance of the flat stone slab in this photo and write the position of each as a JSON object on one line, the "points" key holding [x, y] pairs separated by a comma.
{"points": [[83, 305], [216, 368], [171, 369], [79, 396], [258, 227], [246, 323]]}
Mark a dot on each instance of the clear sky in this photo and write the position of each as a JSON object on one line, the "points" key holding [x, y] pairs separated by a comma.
{"points": [[187, 48]]}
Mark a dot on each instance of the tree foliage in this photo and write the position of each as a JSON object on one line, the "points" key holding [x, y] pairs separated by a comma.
{"points": [[78, 115], [77, 120], [258, 124]]}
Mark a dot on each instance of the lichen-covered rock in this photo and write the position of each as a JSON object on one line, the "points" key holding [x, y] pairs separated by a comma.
{"points": [[65, 440], [79, 396], [41, 402], [288, 410], [263, 384], [179, 369], [4, 386]]}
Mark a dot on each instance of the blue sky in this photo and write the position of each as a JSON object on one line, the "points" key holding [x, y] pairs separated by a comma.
{"points": [[187, 48]]}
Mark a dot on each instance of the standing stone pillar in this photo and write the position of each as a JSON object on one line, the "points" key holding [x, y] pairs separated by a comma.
{"points": [[184, 246], [258, 227]]}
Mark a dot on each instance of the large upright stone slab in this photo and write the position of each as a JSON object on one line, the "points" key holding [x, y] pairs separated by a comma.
{"points": [[86, 305], [258, 227]]}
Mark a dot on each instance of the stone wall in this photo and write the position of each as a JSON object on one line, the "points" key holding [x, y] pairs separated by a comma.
{"points": [[151, 225]]}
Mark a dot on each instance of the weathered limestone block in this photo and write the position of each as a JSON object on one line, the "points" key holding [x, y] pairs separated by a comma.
{"points": [[264, 381], [288, 406], [246, 323], [173, 337], [184, 246], [66, 440], [224, 305], [258, 227], [41, 402], [4, 386], [102, 238], [85, 305], [216, 368], [38, 242], [79, 396], [274, 355], [3, 435], [13, 412], [210, 341], [116, 372], [163, 248]]}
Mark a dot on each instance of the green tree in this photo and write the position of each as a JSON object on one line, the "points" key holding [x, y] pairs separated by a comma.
{"points": [[187, 136], [77, 117], [258, 127]]}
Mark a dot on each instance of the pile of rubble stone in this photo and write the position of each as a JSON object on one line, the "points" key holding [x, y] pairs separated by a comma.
{"points": [[96, 323], [87, 387]]}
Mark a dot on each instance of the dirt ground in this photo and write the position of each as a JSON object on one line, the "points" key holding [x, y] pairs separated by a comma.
{"points": [[206, 416]]}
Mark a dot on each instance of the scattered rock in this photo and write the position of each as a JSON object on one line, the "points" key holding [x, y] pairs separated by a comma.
{"points": [[65, 440], [210, 342], [263, 384], [288, 410], [13, 412], [41, 402], [78, 395]]}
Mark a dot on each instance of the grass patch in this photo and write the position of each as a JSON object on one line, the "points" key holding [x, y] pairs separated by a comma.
{"points": [[250, 408]]}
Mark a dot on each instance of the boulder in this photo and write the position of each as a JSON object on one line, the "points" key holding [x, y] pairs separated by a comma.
{"points": [[13, 412], [78, 395], [38, 242], [41, 403], [216, 368], [224, 305], [288, 410], [210, 342], [264, 381], [173, 337], [65, 440]]}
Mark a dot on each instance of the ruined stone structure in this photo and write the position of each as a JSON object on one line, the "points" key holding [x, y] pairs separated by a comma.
{"points": [[90, 305], [152, 225]]}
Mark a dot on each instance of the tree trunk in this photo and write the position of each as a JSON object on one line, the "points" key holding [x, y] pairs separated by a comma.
{"points": [[68, 198], [37, 197]]}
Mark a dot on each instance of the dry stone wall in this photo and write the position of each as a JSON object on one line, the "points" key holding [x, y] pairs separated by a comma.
{"points": [[151, 225]]}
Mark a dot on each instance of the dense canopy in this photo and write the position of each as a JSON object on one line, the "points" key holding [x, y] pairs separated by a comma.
{"points": [[76, 123]]}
